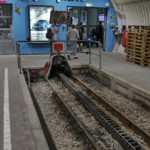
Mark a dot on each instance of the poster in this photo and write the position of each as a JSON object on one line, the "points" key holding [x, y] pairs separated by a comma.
{"points": [[39, 17], [3, 1]]}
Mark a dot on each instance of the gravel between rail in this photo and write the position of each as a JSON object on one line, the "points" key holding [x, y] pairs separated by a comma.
{"points": [[64, 131], [128, 107]]}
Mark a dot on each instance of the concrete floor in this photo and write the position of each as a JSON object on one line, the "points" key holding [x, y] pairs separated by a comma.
{"points": [[111, 63]]}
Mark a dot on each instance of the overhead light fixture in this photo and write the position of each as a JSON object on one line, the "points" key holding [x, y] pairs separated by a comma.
{"points": [[57, 1], [89, 4]]}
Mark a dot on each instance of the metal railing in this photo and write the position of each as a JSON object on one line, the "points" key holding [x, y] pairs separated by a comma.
{"points": [[51, 42]]}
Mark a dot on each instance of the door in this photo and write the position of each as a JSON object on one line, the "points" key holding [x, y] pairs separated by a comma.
{"points": [[6, 30], [90, 17]]}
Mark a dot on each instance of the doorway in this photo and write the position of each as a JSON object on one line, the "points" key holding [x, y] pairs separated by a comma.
{"points": [[90, 18], [6, 30]]}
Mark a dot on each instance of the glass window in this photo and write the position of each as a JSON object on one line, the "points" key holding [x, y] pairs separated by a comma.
{"points": [[74, 15], [83, 16], [6, 29], [93, 16], [5, 22], [5, 10]]}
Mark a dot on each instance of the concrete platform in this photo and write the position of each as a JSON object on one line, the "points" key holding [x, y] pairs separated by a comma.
{"points": [[20, 128], [25, 129]]}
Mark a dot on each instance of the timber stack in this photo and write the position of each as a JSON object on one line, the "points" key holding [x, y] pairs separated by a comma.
{"points": [[138, 45]]}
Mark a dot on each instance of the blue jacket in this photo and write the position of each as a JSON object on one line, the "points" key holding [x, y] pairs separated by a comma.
{"points": [[89, 38]]}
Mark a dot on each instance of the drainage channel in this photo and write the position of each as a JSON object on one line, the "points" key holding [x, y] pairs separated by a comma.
{"points": [[110, 125]]}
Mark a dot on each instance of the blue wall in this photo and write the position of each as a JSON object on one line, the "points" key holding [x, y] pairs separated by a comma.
{"points": [[110, 38], [21, 26]]}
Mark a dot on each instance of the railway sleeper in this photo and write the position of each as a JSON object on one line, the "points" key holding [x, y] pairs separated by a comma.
{"points": [[88, 104]]}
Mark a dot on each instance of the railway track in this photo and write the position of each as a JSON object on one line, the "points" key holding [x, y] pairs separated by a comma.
{"points": [[98, 138], [110, 125], [125, 120], [82, 126]]}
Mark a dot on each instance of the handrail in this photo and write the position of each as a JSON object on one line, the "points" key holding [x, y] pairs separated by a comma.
{"points": [[52, 41]]}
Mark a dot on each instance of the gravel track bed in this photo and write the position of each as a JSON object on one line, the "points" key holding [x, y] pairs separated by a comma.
{"points": [[64, 131], [133, 110], [101, 136], [140, 115]]}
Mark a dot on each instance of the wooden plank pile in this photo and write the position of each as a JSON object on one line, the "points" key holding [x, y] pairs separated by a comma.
{"points": [[138, 45]]}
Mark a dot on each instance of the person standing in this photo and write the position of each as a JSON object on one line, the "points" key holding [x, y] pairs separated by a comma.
{"points": [[89, 39], [100, 33], [73, 34], [81, 32], [53, 31]]}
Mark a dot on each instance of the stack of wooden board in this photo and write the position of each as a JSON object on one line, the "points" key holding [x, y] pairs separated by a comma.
{"points": [[138, 45]]}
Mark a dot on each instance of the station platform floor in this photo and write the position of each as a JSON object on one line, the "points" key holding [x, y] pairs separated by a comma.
{"points": [[20, 128]]}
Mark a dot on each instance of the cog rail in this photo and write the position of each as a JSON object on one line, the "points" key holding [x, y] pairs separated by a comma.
{"points": [[77, 120], [110, 125], [116, 112]]}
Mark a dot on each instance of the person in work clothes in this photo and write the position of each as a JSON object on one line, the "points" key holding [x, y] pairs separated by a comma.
{"points": [[73, 34]]}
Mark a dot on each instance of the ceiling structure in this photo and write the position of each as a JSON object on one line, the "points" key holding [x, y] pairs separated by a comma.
{"points": [[130, 12], [136, 12]]}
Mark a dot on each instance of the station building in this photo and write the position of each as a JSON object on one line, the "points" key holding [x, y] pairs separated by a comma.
{"points": [[26, 22], [17, 22]]}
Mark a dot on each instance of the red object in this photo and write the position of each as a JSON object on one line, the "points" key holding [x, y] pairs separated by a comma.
{"points": [[124, 41], [3, 1], [58, 46], [34, 71]]}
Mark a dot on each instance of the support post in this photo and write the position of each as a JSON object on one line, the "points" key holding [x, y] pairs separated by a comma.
{"points": [[99, 43], [89, 52], [19, 57]]}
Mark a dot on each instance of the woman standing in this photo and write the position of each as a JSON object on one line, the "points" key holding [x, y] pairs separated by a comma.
{"points": [[81, 32]]}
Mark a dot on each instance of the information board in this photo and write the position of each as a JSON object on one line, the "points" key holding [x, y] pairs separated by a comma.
{"points": [[39, 18]]}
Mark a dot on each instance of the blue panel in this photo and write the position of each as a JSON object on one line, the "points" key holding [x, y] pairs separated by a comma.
{"points": [[21, 26], [34, 48], [110, 37]]}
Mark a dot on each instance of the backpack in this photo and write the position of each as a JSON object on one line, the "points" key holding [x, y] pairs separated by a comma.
{"points": [[49, 34]]}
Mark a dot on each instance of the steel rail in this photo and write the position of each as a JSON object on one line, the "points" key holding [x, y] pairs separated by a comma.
{"points": [[48, 136], [110, 125], [75, 118], [116, 112]]}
